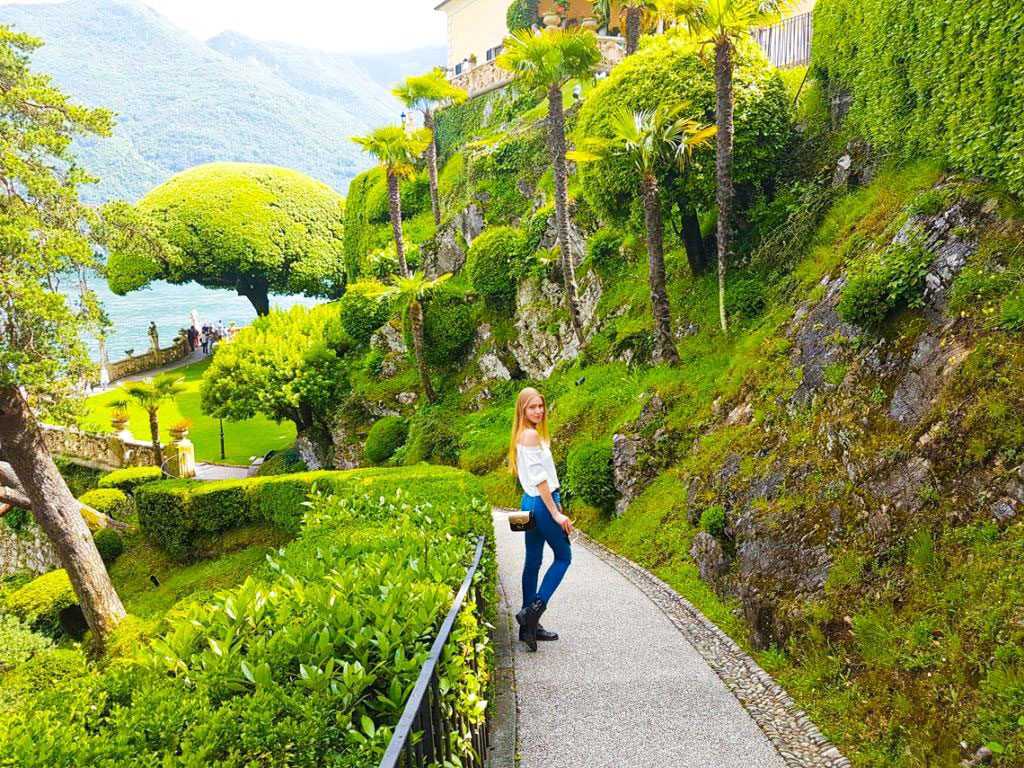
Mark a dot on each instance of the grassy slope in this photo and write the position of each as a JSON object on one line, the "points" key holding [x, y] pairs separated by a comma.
{"points": [[242, 439]]}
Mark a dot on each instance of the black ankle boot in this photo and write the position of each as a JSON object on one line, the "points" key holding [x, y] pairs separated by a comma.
{"points": [[542, 634], [529, 618]]}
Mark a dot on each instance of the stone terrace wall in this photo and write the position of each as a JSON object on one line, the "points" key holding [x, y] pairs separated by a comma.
{"points": [[119, 369], [98, 451], [29, 550]]}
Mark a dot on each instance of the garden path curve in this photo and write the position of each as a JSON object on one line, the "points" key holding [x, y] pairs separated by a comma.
{"points": [[630, 684]]}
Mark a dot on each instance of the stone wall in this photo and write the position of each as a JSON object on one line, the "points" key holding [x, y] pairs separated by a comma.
{"points": [[107, 452], [28, 550], [119, 369]]}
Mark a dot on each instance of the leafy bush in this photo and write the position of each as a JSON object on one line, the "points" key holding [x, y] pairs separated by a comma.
{"points": [[745, 297], [109, 501], [283, 463], [129, 479], [431, 438], [361, 314], [18, 643], [385, 437], [604, 251], [589, 475], [921, 88], [79, 479], [712, 521], [449, 326], [109, 544], [491, 264], [883, 282], [40, 602]]}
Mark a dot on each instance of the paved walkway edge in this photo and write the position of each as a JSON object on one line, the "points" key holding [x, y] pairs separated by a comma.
{"points": [[788, 728], [503, 726]]}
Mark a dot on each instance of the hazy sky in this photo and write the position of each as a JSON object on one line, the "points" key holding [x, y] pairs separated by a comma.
{"points": [[335, 25]]}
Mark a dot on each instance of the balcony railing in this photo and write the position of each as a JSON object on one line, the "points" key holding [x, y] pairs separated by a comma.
{"points": [[788, 43]]}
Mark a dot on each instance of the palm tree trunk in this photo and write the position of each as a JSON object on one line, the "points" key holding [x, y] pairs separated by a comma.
{"points": [[693, 240], [556, 144], [416, 321], [633, 16], [665, 348], [723, 164], [435, 198], [58, 514], [154, 433], [395, 207]]}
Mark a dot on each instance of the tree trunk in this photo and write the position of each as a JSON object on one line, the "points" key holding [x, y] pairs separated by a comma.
{"points": [[57, 512], [154, 433], [633, 17], [556, 144], [693, 240], [665, 348], [723, 164], [435, 198], [257, 294], [395, 206], [416, 321]]}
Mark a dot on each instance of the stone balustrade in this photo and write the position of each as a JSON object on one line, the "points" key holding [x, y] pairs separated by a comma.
{"points": [[99, 451], [147, 361]]}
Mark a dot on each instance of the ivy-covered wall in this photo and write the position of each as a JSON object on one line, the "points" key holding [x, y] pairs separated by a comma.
{"points": [[943, 77]]}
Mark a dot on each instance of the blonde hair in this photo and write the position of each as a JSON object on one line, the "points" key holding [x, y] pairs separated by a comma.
{"points": [[520, 423]]}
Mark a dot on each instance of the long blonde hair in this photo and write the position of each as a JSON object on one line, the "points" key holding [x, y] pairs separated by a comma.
{"points": [[521, 423]]}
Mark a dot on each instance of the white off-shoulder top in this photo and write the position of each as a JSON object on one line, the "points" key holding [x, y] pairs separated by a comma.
{"points": [[536, 465]]}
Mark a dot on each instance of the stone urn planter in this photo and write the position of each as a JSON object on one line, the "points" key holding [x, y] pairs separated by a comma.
{"points": [[589, 23], [180, 430], [552, 20]]}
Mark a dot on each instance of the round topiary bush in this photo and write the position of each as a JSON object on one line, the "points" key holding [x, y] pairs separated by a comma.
{"points": [[110, 501], [589, 475], [361, 314], [449, 327], [492, 263], [712, 521], [109, 544], [129, 479], [385, 437], [604, 251]]}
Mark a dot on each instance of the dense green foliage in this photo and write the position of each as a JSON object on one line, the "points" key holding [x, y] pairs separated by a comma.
{"points": [[604, 252], [256, 229], [40, 602], [18, 643], [938, 79], [109, 544], [449, 326], [110, 501], [882, 282], [362, 312], [386, 436], [670, 73], [521, 14], [235, 678], [129, 479], [712, 521], [283, 463], [589, 475], [459, 124], [493, 264]]}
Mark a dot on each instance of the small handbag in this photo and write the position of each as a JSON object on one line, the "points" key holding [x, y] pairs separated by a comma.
{"points": [[521, 520]]}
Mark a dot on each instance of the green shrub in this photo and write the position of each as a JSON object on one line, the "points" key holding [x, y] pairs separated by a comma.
{"points": [[79, 479], [431, 438], [109, 544], [40, 602], [881, 283], [492, 263], [129, 479], [589, 475], [536, 227], [109, 501], [522, 14], [1012, 315], [712, 521], [361, 314], [449, 327], [385, 437], [604, 251], [18, 643], [930, 79], [745, 297], [283, 463]]}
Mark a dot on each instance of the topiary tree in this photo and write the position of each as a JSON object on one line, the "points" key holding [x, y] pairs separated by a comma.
{"points": [[589, 475], [287, 365], [362, 311], [385, 437], [667, 73], [256, 229], [109, 501], [449, 326], [491, 264]]}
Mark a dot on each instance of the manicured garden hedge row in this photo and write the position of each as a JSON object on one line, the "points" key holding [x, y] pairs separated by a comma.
{"points": [[939, 78], [176, 513], [308, 663]]}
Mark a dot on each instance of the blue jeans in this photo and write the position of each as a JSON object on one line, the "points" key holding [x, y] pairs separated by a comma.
{"points": [[545, 530]]}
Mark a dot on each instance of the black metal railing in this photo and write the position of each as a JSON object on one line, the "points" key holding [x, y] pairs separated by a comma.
{"points": [[422, 736]]}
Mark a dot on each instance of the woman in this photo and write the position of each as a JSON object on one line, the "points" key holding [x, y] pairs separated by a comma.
{"points": [[529, 457]]}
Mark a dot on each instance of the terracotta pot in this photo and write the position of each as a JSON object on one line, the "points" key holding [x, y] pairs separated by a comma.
{"points": [[119, 424], [179, 434], [552, 20], [589, 23]]}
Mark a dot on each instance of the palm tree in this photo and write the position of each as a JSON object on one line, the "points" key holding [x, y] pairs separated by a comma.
{"points": [[545, 63], [722, 23], [397, 152], [428, 93], [149, 395], [651, 141], [405, 295], [635, 10]]}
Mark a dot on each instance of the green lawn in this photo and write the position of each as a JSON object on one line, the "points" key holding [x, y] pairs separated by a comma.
{"points": [[242, 439]]}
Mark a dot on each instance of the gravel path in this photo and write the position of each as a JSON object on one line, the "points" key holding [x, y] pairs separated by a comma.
{"points": [[622, 688]]}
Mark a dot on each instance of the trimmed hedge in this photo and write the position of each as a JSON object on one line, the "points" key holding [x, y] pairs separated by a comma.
{"points": [[492, 263], [939, 78], [109, 544], [40, 602], [589, 475], [129, 479], [109, 501], [385, 437], [449, 327], [175, 514]]}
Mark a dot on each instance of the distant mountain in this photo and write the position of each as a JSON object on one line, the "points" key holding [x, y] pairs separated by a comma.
{"points": [[181, 101], [390, 68]]}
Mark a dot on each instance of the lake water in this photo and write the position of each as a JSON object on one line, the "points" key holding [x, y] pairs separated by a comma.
{"points": [[169, 306]]}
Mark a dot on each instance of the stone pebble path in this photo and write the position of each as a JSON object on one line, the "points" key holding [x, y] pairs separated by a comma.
{"points": [[640, 679]]}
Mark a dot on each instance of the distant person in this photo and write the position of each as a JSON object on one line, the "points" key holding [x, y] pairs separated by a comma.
{"points": [[206, 340], [529, 458], [193, 337]]}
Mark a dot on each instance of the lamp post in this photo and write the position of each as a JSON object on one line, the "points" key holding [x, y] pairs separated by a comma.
{"points": [[222, 454]]}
